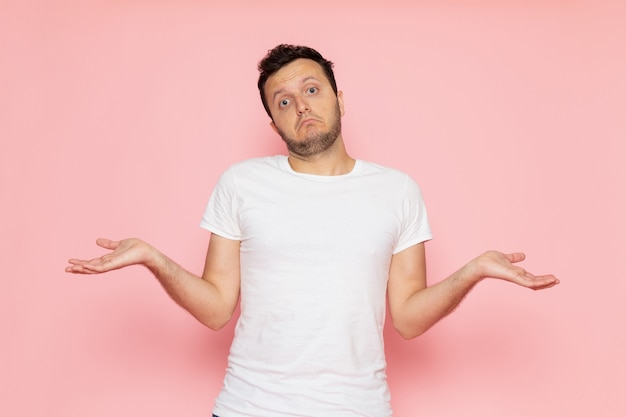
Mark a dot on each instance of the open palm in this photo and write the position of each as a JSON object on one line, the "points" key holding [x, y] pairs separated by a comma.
{"points": [[124, 253]]}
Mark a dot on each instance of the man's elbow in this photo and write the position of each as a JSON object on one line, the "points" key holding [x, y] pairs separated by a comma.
{"points": [[215, 322], [408, 331]]}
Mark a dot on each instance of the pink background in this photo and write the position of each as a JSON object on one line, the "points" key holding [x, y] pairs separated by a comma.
{"points": [[117, 117]]}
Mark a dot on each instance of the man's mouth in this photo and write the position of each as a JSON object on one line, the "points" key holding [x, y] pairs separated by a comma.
{"points": [[306, 122]]}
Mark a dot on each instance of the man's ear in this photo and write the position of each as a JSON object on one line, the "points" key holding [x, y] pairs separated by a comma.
{"points": [[340, 101], [274, 127]]}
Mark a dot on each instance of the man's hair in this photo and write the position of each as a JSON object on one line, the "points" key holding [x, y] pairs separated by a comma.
{"points": [[284, 54]]}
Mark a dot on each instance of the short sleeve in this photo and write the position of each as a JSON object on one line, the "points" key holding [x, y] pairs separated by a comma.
{"points": [[222, 212], [415, 226]]}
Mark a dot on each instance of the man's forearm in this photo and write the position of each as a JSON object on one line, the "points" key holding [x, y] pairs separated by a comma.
{"points": [[195, 294], [427, 306]]}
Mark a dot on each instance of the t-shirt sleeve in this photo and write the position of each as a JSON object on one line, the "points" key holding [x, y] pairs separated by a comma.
{"points": [[222, 212], [415, 226]]}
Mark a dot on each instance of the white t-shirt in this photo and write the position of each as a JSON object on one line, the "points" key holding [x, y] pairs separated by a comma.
{"points": [[315, 256]]}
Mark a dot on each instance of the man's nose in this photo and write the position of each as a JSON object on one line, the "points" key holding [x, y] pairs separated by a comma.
{"points": [[302, 105]]}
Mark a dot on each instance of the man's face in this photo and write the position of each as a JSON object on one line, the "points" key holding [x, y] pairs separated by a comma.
{"points": [[305, 110]]}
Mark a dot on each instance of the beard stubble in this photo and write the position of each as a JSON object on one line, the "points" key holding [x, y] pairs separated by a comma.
{"points": [[317, 142]]}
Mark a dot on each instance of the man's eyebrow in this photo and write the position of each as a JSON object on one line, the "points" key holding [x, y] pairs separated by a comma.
{"points": [[277, 92], [309, 78], [304, 81]]}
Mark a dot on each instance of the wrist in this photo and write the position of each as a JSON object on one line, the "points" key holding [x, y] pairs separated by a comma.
{"points": [[153, 258], [470, 274]]}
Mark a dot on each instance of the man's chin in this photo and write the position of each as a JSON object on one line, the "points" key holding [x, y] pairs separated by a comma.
{"points": [[310, 146]]}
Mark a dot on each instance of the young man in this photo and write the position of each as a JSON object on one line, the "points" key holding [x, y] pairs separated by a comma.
{"points": [[314, 243]]}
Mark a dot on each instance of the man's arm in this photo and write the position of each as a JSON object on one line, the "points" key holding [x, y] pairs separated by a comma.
{"points": [[211, 298], [414, 307]]}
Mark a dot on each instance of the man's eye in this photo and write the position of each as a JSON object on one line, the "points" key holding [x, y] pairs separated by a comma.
{"points": [[312, 90], [284, 102]]}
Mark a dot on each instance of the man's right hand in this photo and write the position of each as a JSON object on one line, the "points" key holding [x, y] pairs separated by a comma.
{"points": [[124, 253]]}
